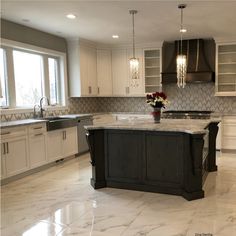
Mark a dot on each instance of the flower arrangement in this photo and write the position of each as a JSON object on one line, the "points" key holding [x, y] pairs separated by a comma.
{"points": [[157, 100]]}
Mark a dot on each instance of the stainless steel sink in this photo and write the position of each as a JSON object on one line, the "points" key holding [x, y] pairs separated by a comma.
{"points": [[57, 122]]}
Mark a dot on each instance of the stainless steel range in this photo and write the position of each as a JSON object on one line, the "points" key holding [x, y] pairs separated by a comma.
{"points": [[188, 114]]}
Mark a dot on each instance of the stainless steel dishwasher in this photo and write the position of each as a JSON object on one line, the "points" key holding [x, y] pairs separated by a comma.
{"points": [[82, 142]]}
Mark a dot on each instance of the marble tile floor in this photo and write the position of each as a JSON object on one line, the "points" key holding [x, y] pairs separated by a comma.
{"points": [[60, 201]]}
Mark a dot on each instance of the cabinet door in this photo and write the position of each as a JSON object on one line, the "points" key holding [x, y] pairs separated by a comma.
{"points": [[54, 145], [92, 71], [3, 168], [16, 159], [37, 150], [84, 71], [70, 145], [139, 88], [104, 76], [119, 72]]}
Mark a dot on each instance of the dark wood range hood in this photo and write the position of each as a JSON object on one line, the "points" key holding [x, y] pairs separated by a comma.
{"points": [[200, 60]]}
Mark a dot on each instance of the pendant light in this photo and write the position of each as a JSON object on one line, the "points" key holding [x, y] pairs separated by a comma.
{"points": [[181, 60], [134, 62]]}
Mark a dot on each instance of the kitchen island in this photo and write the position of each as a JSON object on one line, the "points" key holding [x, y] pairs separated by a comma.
{"points": [[171, 157]]}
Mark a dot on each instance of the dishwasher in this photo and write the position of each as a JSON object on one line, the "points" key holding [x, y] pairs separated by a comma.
{"points": [[82, 142]]}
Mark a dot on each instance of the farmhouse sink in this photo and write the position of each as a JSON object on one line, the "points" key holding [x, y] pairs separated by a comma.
{"points": [[57, 122]]}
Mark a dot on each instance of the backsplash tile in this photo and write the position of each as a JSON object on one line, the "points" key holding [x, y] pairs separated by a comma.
{"points": [[192, 97], [198, 97]]}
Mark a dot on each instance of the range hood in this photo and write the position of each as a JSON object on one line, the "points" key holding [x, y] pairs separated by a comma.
{"points": [[200, 60]]}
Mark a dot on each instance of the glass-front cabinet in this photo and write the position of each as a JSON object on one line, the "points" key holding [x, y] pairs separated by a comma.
{"points": [[226, 69], [152, 70]]}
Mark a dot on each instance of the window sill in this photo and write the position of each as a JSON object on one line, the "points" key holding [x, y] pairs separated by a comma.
{"points": [[9, 111]]}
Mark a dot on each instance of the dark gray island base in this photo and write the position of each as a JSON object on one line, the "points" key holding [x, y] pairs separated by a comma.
{"points": [[152, 160]]}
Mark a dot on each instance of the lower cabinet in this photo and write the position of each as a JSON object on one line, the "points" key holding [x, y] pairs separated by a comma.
{"points": [[15, 156], [37, 150], [229, 134], [62, 143], [27, 147]]}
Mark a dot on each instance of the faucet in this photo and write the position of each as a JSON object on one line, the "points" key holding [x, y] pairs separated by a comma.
{"points": [[35, 115], [41, 105]]}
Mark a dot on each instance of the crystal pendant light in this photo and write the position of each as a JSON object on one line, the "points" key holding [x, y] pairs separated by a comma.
{"points": [[134, 62], [181, 60]]}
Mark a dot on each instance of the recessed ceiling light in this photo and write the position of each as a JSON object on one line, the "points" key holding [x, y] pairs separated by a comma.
{"points": [[71, 16], [115, 36], [182, 30]]}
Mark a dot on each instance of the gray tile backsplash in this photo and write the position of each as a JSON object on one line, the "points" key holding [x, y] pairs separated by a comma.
{"points": [[192, 97]]}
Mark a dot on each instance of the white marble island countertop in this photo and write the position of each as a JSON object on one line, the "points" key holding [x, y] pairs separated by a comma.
{"points": [[191, 126]]}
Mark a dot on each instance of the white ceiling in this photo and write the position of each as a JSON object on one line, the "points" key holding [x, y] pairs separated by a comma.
{"points": [[97, 21]]}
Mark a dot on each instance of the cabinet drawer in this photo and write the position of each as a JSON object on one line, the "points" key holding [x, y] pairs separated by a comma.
{"points": [[37, 128], [229, 130], [229, 120], [229, 143], [13, 132]]}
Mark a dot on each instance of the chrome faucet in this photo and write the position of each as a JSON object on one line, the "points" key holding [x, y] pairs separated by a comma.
{"points": [[36, 115], [41, 105]]}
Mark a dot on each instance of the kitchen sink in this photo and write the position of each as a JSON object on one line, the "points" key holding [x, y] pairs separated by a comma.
{"points": [[57, 122]]}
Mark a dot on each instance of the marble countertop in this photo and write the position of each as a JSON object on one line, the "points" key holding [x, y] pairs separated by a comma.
{"points": [[191, 126], [13, 123]]}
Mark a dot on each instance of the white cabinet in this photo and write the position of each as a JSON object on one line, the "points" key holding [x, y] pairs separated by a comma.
{"points": [[137, 90], [70, 144], [229, 133], [82, 69], [120, 72], [152, 70], [226, 69], [104, 75], [62, 143], [14, 143], [37, 145], [121, 77]]}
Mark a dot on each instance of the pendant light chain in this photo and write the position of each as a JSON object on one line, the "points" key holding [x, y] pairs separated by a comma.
{"points": [[133, 35]]}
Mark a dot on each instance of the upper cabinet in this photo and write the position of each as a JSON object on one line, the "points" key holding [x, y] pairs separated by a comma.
{"points": [[120, 72], [104, 72], [121, 76], [226, 69], [137, 90], [82, 69], [152, 70]]}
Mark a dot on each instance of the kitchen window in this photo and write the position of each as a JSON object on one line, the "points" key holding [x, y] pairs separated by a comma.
{"points": [[29, 73], [3, 79]]}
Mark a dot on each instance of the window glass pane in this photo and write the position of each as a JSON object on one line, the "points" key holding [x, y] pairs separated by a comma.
{"points": [[28, 78], [3, 80], [53, 80]]}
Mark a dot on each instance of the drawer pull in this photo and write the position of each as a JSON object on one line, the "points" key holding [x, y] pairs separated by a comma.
{"points": [[38, 134], [7, 151], [5, 133], [38, 127]]}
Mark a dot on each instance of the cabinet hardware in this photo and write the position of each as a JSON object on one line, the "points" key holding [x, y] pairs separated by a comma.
{"points": [[5, 133], [65, 134], [98, 90], [4, 148], [127, 90], [7, 148], [38, 127], [38, 134], [90, 89]]}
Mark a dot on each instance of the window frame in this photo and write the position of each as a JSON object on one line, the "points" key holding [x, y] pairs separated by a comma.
{"points": [[9, 46]]}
